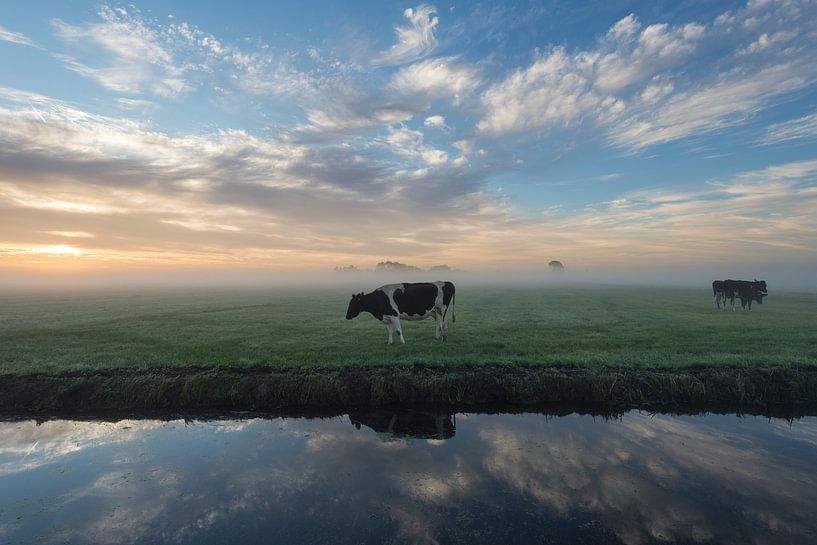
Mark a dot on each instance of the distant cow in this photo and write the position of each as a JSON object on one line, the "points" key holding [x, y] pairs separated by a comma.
{"points": [[407, 301], [746, 291], [718, 293], [751, 291]]}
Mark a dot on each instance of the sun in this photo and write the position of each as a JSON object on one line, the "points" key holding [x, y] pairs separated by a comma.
{"points": [[60, 250]]}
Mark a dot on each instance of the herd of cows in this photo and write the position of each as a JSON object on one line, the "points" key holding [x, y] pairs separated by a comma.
{"points": [[418, 301], [746, 291]]}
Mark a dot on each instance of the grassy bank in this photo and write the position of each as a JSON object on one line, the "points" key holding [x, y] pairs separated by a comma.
{"points": [[305, 329], [768, 390]]}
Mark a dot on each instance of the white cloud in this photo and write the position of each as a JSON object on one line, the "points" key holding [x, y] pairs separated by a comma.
{"points": [[706, 109], [434, 121], [436, 78], [765, 41], [135, 104], [139, 58], [414, 40], [627, 61], [796, 129], [548, 93], [128, 53], [636, 83], [409, 143], [15, 37], [558, 88]]}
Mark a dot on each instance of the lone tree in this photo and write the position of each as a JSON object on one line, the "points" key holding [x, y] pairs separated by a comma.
{"points": [[556, 266]]}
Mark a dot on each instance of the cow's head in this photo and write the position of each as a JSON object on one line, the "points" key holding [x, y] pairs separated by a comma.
{"points": [[355, 306], [759, 290]]}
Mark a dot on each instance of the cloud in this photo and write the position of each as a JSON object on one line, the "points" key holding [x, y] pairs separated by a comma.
{"points": [[645, 86], [560, 88], [801, 128], [140, 59], [548, 93], [212, 198], [765, 41], [15, 37], [415, 40], [215, 198], [128, 53], [434, 121], [436, 78], [709, 108], [409, 143], [410, 92]]}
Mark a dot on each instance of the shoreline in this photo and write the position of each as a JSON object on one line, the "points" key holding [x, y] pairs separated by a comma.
{"points": [[772, 389]]}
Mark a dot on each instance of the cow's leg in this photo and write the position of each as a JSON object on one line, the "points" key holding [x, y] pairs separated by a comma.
{"points": [[390, 327], [399, 330], [449, 317], [438, 331]]}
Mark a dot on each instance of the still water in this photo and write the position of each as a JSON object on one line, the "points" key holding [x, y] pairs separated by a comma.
{"points": [[411, 478]]}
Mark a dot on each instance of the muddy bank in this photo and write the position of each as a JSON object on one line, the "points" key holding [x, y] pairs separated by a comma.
{"points": [[770, 389]]}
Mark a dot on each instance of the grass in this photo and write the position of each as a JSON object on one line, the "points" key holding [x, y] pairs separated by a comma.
{"points": [[300, 328]]}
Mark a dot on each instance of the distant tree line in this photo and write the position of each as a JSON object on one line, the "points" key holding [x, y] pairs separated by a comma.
{"points": [[395, 266]]}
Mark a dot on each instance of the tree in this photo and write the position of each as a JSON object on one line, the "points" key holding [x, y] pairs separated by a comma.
{"points": [[394, 266], [556, 266]]}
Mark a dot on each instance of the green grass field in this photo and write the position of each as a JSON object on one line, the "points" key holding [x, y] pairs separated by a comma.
{"points": [[287, 327]]}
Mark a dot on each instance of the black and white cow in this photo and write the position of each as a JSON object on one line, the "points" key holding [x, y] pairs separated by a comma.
{"points": [[417, 301], [745, 290], [718, 293]]}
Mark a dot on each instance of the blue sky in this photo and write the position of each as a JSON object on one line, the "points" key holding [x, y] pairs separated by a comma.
{"points": [[317, 134]]}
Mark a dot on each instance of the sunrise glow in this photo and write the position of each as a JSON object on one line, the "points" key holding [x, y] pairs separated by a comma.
{"points": [[167, 136]]}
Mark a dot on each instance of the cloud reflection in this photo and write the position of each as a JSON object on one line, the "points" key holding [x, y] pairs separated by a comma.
{"points": [[638, 480]]}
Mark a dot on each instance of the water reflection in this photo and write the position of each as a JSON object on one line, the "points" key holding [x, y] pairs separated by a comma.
{"points": [[399, 424], [500, 478]]}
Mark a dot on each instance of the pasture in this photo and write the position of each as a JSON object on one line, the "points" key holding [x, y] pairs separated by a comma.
{"points": [[305, 328]]}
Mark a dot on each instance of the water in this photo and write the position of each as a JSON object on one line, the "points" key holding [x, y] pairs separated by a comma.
{"points": [[411, 478]]}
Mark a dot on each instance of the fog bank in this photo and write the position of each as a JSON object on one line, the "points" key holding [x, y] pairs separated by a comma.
{"points": [[799, 277]]}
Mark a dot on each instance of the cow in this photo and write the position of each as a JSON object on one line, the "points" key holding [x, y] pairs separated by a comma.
{"points": [[751, 291], [718, 294], [746, 291], [408, 301]]}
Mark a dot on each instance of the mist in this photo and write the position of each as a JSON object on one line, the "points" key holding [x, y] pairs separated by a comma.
{"points": [[793, 277]]}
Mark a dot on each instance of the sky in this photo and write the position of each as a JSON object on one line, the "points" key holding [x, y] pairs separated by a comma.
{"points": [[297, 136]]}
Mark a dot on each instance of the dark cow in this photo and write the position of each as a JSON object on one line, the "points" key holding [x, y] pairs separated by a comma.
{"points": [[407, 301], [746, 291], [718, 293], [752, 291], [404, 423]]}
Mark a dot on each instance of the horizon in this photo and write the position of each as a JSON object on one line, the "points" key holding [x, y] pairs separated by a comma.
{"points": [[636, 142]]}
